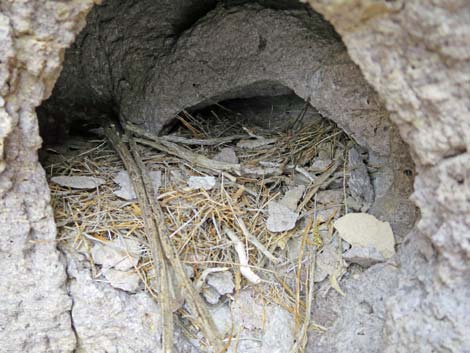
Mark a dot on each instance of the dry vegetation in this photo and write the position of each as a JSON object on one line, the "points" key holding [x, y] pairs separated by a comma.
{"points": [[202, 224]]}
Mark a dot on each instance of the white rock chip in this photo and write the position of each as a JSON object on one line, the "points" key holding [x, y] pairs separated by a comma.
{"points": [[364, 230], [222, 282], [227, 155], [78, 182], [126, 190], [281, 218], [125, 280], [363, 256], [120, 254], [198, 182], [292, 197]]}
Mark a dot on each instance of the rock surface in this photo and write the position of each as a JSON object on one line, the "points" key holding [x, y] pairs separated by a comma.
{"points": [[34, 303], [426, 90]]}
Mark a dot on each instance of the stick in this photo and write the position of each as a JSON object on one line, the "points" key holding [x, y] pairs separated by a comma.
{"points": [[194, 158], [196, 304], [184, 140], [245, 270], [152, 234]]}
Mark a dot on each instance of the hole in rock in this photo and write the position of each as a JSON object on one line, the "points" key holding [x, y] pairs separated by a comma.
{"points": [[257, 132]]}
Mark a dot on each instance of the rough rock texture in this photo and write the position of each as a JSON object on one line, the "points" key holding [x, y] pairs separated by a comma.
{"points": [[34, 305], [148, 71], [416, 55]]}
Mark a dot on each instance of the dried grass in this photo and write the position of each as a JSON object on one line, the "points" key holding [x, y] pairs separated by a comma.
{"points": [[196, 219]]}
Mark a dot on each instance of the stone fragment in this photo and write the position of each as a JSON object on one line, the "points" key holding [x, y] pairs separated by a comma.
{"points": [[330, 197], [222, 282], [126, 190], [125, 280], [204, 182], [363, 256], [319, 165], [281, 218], [364, 230], [359, 182], [226, 155], [78, 181], [327, 262], [247, 311], [210, 295], [292, 197], [120, 254]]}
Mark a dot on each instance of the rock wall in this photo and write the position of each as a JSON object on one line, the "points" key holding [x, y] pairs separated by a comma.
{"points": [[34, 304], [416, 54]]}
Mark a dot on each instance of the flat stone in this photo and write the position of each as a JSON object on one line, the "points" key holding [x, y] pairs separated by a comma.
{"points": [[126, 190], [227, 155], [292, 197], [281, 218], [364, 230], [120, 254], [125, 280], [222, 282], [204, 182], [78, 181]]}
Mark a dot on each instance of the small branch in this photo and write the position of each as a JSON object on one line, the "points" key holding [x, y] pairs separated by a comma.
{"points": [[245, 269]]}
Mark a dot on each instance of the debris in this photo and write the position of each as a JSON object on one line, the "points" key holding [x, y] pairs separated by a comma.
{"points": [[364, 230], [255, 143], [247, 311], [211, 295], [363, 256], [126, 190], [292, 197], [330, 197], [121, 254], [359, 182], [245, 270], [227, 155], [281, 218], [125, 280], [278, 332], [327, 262], [198, 182], [78, 182], [222, 282], [319, 165]]}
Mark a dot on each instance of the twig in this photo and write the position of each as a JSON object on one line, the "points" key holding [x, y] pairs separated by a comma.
{"points": [[152, 234], [245, 270], [184, 140]]}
